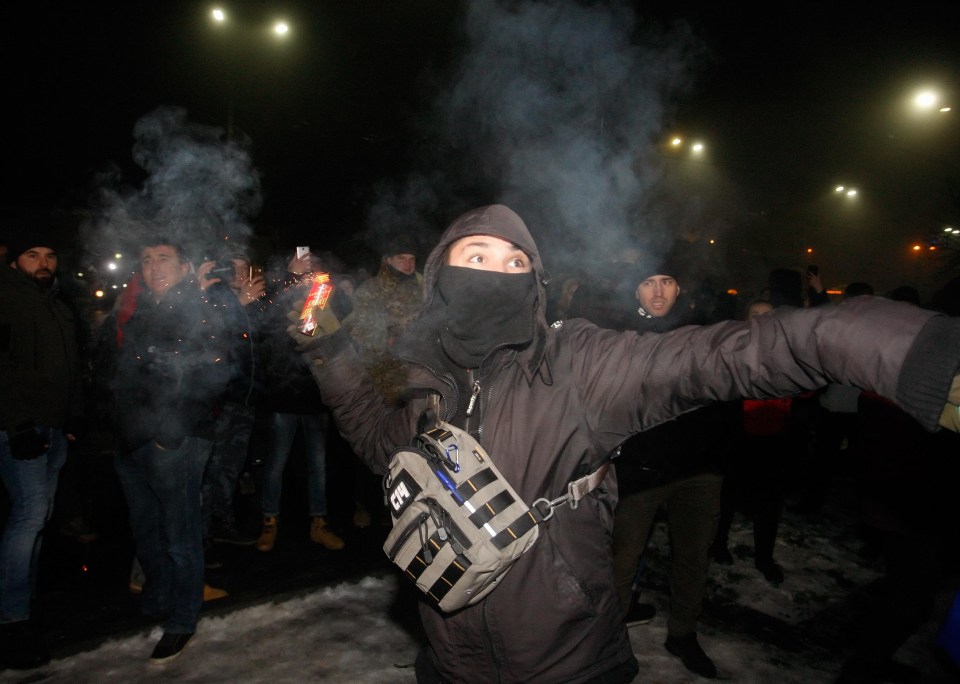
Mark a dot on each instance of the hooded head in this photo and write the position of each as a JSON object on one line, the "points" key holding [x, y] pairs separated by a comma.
{"points": [[442, 283]]}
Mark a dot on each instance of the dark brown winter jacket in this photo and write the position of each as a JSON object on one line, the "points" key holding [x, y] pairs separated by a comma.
{"points": [[552, 409]]}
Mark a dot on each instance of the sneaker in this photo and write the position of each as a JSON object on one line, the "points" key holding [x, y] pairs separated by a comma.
{"points": [[21, 647], [640, 614], [213, 593], [694, 659], [268, 537], [226, 532], [169, 647], [321, 534]]}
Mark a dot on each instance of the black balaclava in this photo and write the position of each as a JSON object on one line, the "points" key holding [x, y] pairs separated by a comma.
{"points": [[484, 310]]}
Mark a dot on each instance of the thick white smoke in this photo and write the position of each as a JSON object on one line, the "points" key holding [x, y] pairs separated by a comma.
{"points": [[199, 190], [556, 109]]}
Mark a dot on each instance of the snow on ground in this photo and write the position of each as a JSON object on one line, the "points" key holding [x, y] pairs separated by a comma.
{"points": [[755, 632]]}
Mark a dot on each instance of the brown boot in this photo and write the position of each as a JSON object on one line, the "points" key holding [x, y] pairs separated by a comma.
{"points": [[321, 534], [268, 537], [213, 593]]}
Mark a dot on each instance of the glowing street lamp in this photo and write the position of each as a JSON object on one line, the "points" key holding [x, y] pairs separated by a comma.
{"points": [[928, 100], [925, 99], [280, 29], [846, 190]]}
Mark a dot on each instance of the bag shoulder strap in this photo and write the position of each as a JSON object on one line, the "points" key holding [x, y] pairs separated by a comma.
{"points": [[576, 490], [543, 508]]}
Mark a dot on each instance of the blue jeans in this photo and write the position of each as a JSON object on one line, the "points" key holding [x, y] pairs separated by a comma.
{"points": [[283, 429], [31, 486], [163, 495]]}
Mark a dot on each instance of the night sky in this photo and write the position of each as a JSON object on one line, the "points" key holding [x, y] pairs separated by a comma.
{"points": [[363, 112]]}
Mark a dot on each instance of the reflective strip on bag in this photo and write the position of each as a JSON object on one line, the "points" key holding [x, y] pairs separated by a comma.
{"points": [[477, 482], [515, 530]]}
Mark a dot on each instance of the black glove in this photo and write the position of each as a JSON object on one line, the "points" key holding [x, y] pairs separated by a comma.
{"points": [[26, 444]]}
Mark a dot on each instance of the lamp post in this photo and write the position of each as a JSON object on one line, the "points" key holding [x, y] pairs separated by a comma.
{"points": [[221, 20]]}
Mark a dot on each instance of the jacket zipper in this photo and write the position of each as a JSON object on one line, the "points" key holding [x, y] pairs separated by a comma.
{"points": [[491, 644], [486, 402], [474, 392]]}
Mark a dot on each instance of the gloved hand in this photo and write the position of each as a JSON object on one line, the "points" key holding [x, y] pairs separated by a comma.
{"points": [[326, 321], [27, 444]]}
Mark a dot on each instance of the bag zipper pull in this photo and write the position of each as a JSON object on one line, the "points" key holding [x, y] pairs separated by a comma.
{"points": [[474, 395], [425, 540]]}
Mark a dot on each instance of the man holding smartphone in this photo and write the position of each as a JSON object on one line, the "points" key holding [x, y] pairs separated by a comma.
{"points": [[234, 294]]}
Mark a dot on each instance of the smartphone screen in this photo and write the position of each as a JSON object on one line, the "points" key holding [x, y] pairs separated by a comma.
{"points": [[302, 251]]}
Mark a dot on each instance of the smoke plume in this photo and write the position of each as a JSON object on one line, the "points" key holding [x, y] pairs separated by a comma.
{"points": [[198, 189], [556, 110]]}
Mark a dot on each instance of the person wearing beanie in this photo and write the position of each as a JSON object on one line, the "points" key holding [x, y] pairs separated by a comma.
{"points": [[39, 373], [675, 465], [550, 403]]}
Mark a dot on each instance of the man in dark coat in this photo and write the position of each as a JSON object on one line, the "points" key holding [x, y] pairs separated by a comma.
{"points": [[168, 374], [549, 403], [39, 379], [676, 465]]}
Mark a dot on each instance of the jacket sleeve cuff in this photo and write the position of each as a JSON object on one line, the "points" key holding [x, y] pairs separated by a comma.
{"points": [[928, 370]]}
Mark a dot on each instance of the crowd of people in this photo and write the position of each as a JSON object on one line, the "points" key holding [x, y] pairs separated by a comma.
{"points": [[700, 415]]}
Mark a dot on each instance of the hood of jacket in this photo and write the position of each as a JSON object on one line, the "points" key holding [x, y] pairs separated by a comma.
{"points": [[420, 342]]}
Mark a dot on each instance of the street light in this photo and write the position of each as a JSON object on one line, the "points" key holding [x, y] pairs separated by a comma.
{"points": [[927, 100], [677, 144], [279, 29]]}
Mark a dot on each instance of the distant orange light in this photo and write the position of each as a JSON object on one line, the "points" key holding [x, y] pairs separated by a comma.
{"points": [[835, 292], [809, 250], [732, 292], [98, 293], [932, 248], [916, 248]]}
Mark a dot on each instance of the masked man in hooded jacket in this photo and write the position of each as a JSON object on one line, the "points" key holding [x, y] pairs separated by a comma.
{"points": [[550, 403]]}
